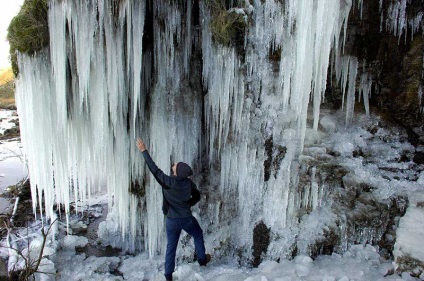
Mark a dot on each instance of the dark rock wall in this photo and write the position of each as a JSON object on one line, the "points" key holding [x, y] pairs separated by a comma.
{"points": [[396, 64]]}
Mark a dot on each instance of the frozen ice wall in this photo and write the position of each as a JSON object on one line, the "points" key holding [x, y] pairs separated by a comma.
{"points": [[79, 101], [116, 70], [258, 101], [175, 110], [83, 103]]}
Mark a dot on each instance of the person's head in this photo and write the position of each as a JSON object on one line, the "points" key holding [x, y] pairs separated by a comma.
{"points": [[181, 170]]}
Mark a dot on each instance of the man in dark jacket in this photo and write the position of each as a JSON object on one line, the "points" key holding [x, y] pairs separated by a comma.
{"points": [[179, 194]]}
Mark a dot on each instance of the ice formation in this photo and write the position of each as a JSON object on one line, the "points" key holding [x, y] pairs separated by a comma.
{"points": [[397, 20], [73, 115], [84, 100]]}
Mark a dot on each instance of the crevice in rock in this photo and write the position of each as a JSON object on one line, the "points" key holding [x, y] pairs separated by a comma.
{"points": [[261, 239]]}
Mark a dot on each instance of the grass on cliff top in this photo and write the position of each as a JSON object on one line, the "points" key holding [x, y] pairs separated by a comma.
{"points": [[228, 28], [28, 32], [7, 91]]}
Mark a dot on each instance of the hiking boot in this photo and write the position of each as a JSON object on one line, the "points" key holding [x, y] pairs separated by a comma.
{"points": [[206, 261]]}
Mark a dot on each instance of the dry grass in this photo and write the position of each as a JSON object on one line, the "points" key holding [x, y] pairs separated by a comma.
{"points": [[227, 27], [6, 76], [7, 91]]}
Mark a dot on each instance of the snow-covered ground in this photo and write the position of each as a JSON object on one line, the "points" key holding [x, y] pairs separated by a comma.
{"points": [[381, 169], [12, 168], [359, 263], [5, 117]]}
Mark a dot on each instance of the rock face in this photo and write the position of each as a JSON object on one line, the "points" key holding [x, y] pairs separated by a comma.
{"points": [[260, 242], [394, 61]]}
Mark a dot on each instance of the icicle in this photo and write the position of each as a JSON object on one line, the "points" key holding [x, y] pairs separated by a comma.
{"points": [[72, 148], [415, 24], [221, 72], [57, 21], [420, 96], [325, 34], [350, 99], [135, 59], [365, 90], [397, 21], [381, 16], [345, 17], [344, 71], [83, 24], [360, 7]]}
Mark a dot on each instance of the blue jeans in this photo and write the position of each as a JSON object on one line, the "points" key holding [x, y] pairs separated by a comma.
{"points": [[173, 231]]}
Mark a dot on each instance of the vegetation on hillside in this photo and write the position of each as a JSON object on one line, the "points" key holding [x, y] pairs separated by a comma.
{"points": [[6, 76], [7, 96], [28, 32]]}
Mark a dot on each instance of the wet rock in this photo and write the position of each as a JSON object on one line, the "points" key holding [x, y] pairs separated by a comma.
{"points": [[261, 239], [267, 163], [358, 153], [419, 158], [332, 173], [275, 155], [404, 158], [11, 132], [327, 244], [78, 227]]}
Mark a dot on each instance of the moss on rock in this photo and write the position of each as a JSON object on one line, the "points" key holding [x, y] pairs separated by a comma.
{"points": [[28, 32], [227, 26]]}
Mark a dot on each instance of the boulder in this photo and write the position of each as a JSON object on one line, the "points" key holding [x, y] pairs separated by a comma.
{"points": [[408, 250]]}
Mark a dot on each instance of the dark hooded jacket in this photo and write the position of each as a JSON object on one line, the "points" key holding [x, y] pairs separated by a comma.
{"points": [[179, 192]]}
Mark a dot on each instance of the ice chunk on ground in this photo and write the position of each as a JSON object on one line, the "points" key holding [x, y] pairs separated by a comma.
{"points": [[70, 242], [78, 267], [301, 270], [328, 123], [408, 250], [313, 137], [139, 267]]}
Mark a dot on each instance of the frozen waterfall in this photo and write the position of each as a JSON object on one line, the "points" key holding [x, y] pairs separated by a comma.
{"points": [[116, 70]]}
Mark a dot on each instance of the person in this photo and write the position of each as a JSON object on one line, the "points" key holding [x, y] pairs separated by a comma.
{"points": [[179, 194]]}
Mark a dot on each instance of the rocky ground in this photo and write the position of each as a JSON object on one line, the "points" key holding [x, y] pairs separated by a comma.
{"points": [[9, 124]]}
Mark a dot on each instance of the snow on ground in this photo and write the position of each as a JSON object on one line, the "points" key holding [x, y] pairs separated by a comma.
{"points": [[410, 233], [12, 168], [359, 263], [5, 117]]}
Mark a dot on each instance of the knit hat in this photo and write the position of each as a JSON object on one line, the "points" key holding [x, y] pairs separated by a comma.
{"points": [[184, 170]]}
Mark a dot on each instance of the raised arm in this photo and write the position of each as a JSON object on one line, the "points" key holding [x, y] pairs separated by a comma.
{"points": [[164, 180]]}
